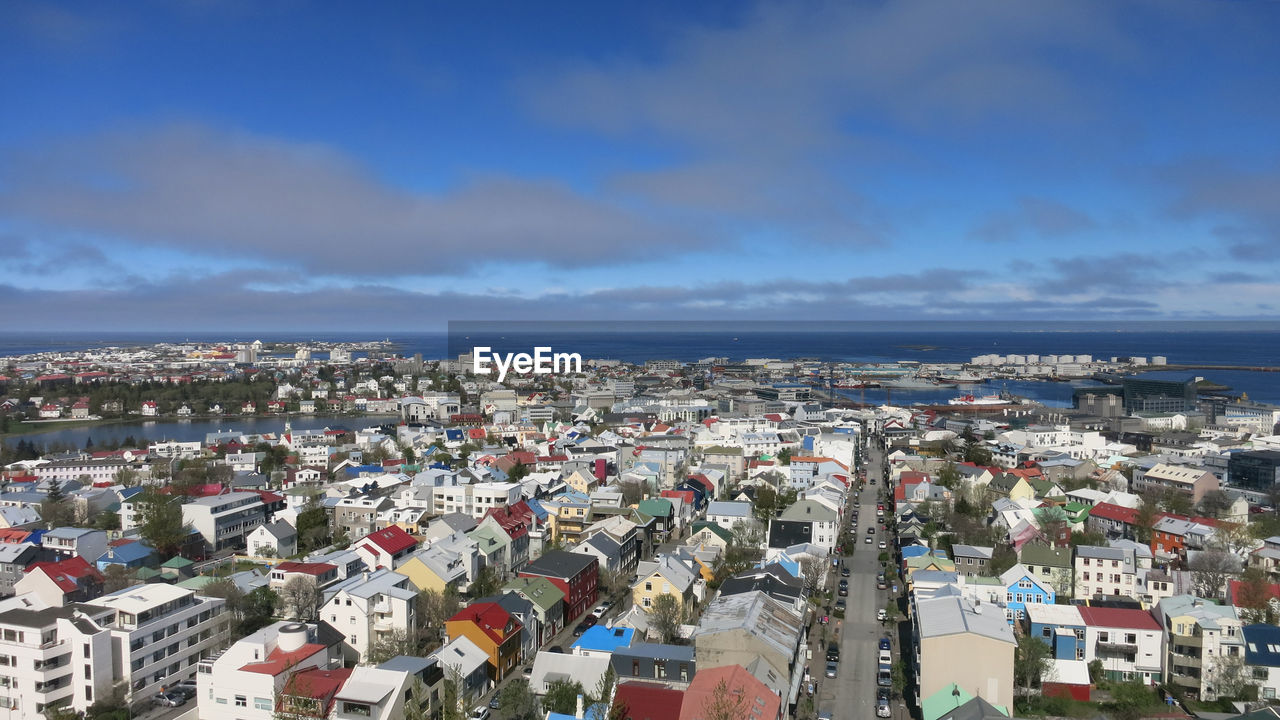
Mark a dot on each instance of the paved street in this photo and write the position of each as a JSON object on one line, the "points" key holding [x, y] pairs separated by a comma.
{"points": [[852, 693]]}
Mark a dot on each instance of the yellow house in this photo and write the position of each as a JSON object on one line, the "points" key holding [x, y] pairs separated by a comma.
{"points": [[665, 576], [582, 482], [436, 568], [567, 519]]}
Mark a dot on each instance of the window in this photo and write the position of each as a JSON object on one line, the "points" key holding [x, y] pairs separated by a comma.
{"points": [[1048, 631], [351, 708], [1131, 638], [1104, 637], [242, 701], [1086, 576], [260, 703]]}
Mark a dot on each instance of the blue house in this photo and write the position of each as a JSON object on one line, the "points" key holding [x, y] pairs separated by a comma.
{"points": [[131, 555], [1061, 627], [605, 640], [1022, 587]]}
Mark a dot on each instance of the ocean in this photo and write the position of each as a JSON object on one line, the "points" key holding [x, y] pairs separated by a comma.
{"points": [[1252, 344]]}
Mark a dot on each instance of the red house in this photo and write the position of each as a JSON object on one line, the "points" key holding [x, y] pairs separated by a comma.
{"points": [[576, 574]]}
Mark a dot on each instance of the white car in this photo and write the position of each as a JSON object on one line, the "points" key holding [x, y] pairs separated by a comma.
{"points": [[480, 713], [883, 545], [881, 614]]}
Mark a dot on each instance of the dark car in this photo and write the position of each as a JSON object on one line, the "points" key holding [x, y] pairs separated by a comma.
{"points": [[840, 604], [844, 590], [833, 652], [844, 572], [493, 704], [844, 583], [581, 628], [884, 643], [555, 649], [871, 530]]}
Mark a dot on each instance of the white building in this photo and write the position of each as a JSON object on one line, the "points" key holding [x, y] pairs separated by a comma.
{"points": [[476, 499], [243, 681], [225, 520], [370, 607], [1106, 571], [53, 657]]}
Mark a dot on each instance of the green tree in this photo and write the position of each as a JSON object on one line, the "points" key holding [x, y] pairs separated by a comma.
{"points": [[518, 701], [417, 704], [1030, 661], [784, 456], [664, 617], [257, 608], [313, 525], [160, 522], [519, 471], [434, 608], [485, 584], [562, 696], [1131, 699]]}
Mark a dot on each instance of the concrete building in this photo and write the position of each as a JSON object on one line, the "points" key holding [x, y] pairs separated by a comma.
{"points": [[224, 521], [949, 627], [54, 657], [1200, 633], [369, 608], [244, 681]]}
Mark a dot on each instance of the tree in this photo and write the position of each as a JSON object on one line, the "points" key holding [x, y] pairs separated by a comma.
{"points": [[57, 513], [612, 582], [949, 476], [724, 703], [485, 584], [1214, 503], [603, 692], [256, 609], [1210, 570], [784, 456], [434, 608], [385, 646], [632, 492], [1253, 598], [106, 521], [118, 577], [518, 701], [1002, 558], [1230, 678], [160, 522], [1030, 661], [1131, 699], [417, 705], [1147, 516], [562, 696], [664, 617], [313, 525], [766, 503], [813, 569], [518, 472], [301, 598]]}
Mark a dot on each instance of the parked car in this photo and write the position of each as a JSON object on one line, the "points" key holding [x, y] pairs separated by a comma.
{"points": [[493, 704], [170, 699], [840, 604], [871, 530], [831, 669], [884, 677], [880, 585], [844, 572], [833, 652], [885, 658], [844, 591], [882, 708], [869, 540], [528, 670], [882, 615], [884, 643], [883, 545], [480, 713]]}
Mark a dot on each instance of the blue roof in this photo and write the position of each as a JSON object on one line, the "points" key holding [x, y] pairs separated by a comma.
{"points": [[126, 493], [358, 469], [1262, 645], [911, 551], [605, 639], [453, 434], [790, 565], [122, 554], [537, 508]]}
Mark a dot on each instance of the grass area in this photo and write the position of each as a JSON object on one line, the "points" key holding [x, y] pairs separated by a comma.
{"points": [[1040, 705], [22, 427]]}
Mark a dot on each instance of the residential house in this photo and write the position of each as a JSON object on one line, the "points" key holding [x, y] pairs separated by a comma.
{"points": [[753, 630], [824, 523], [1190, 481], [1050, 564], [1113, 521], [1105, 571], [463, 659], [450, 561], [62, 582], [251, 674], [276, 539], [72, 542], [370, 608], [574, 574], [358, 516], [760, 700], [224, 521], [947, 627], [494, 630], [548, 605], [672, 665], [727, 513], [14, 560], [971, 560], [665, 576], [1021, 586], [387, 548], [1129, 643], [1262, 658], [1199, 634]]}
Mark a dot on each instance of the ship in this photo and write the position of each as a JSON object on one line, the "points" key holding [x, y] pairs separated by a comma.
{"points": [[915, 384], [983, 400]]}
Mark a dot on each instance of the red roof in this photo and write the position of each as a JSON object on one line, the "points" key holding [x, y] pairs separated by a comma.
{"points": [[305, 567], [392, 539], [491, 618], [1118, 513], [279, 661], [686, 495], [737, 679], [477, 434], [775, 417], [514, 520], [66, 574], [1118, 617], [317, 684], [648, 701]]}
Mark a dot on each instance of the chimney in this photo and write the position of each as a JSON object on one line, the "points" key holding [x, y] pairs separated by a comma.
{"points": [[578, 711]]}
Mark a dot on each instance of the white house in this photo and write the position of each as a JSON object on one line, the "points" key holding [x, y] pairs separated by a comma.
{"points": [[370, 607], [276, 539]]}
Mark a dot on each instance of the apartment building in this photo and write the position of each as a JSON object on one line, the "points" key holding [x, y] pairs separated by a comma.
{"points": [[370, 607], [53, 657], [163, 631], [224, 521], [475, 499], [1200, 633], [243, 681], [1108, 571]]}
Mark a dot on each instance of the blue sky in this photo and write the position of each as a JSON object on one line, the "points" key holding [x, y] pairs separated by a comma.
{"points": [[291, 165]]}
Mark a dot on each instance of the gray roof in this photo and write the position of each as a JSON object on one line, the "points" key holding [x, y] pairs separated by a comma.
{"points": [[975, 709], [656, 651], [381, 582], [408, 664], [755, 613], [558, 563], [731, 508], [940, 616], [280, 530], [1102, 553], [971, 551]]}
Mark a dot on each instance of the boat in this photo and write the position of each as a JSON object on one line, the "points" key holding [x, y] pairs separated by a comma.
{"points": [[915, 384], [983, 400]]}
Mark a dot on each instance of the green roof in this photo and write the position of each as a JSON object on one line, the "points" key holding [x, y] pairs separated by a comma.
{"points": [[1036, 553], [537, 590], [146, 573], [951, 697], [178, 562], [716, 528], [657, 507], [721, 450], [198, 582]]}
